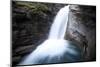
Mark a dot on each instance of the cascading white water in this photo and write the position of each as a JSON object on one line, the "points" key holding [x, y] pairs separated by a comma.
{"points": [[55, 49], [59, 25]]}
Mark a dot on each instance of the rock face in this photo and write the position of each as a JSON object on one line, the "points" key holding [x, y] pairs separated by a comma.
{"points": [[30, 26], [82, 29], [31, 23]]}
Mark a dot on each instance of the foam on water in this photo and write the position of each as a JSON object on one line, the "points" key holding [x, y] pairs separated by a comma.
{"points": [[55, 49]]}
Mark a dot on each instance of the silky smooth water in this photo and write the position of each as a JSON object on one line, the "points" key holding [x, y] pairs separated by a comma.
{"points": [[59, 25], [55, 49]]}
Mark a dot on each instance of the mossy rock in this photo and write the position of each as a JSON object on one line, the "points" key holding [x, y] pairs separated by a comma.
{"points": [[35, 8]]}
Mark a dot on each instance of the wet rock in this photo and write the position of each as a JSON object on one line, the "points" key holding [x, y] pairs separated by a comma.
{"points": [[82, 29], [30, 26]]}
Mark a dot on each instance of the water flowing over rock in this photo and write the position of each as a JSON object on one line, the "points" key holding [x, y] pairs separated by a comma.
{"points": [[55, 49], [59, 25], [31, 23], [30, 26]]}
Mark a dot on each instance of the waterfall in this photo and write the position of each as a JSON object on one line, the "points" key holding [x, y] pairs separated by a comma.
{"points": [[55, 49], [59, 25]]}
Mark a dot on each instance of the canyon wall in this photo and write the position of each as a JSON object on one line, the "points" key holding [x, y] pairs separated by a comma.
{"points": [[31, 23]]}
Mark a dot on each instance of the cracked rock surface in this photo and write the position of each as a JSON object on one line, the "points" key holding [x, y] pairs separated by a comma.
{"points": [[31, 23]]}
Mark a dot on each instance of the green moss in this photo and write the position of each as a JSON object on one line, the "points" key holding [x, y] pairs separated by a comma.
{"points": [[34, 7]]}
